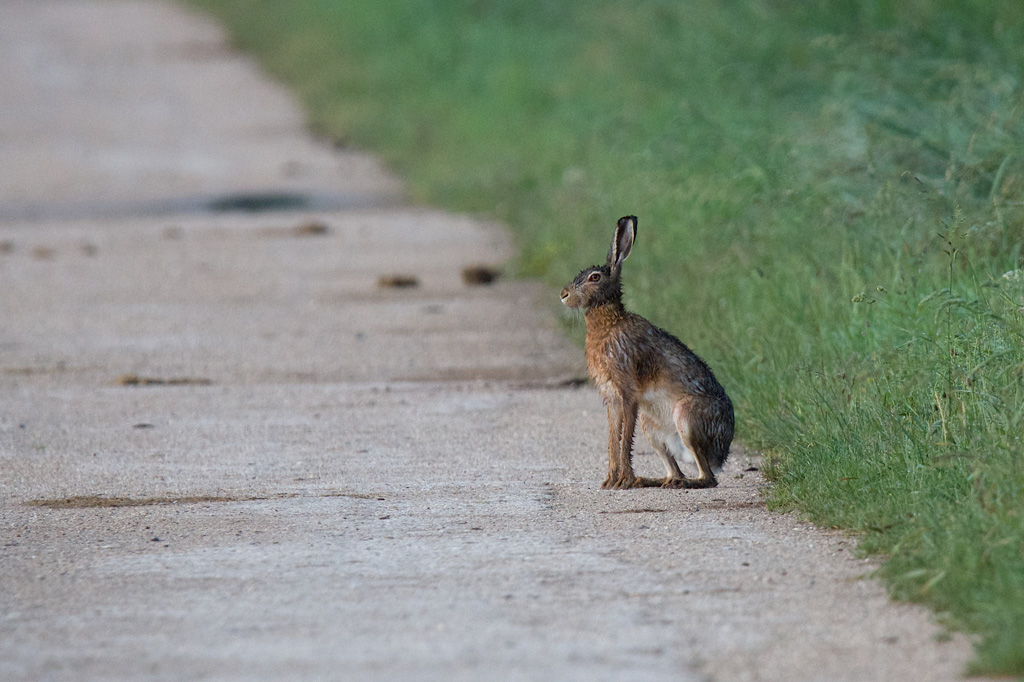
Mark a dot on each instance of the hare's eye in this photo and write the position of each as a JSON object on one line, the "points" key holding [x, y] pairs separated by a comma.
{"points": [[596, 277]]}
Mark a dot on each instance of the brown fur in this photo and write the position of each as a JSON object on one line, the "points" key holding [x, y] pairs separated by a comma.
{"points": [[648, 377]]}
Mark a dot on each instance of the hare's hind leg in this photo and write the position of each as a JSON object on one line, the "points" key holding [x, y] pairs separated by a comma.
{"points": [[656, 436], [695, 443]]}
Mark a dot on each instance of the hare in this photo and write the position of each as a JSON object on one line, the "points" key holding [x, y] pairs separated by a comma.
{"points": [[650, 377]]}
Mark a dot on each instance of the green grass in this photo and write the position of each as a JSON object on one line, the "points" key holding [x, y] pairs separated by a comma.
{"points": [[830, 196]]}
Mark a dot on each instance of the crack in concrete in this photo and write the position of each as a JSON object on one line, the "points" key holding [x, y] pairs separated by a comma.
{"points": [[249, 202]]}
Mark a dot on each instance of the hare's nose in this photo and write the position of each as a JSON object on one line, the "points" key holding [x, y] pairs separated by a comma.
{"points": [[565, 294]]}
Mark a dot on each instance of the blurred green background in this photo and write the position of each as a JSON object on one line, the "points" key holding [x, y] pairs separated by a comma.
{"points": [[831, 202]]}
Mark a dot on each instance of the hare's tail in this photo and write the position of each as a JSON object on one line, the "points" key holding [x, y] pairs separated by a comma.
{"points": [[706, 427], [719, 433]]}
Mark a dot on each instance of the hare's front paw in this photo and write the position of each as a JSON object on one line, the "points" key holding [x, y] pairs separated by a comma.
{"points": [[626, 481], [613, 480]]}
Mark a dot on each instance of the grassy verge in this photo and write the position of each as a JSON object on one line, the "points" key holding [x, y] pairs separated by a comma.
{"points": [[831, 202]]}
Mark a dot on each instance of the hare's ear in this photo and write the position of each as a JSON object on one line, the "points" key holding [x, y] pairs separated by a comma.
{"points": [[622, 243]]}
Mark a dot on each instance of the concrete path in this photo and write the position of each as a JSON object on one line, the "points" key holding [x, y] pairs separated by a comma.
{"points": [[227, 453]]}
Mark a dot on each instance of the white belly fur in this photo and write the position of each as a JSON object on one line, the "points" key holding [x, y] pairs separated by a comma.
{"points": [[656, 408]]}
